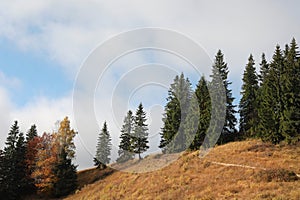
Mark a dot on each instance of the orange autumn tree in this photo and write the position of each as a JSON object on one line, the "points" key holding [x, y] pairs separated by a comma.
{"points": [[54, 173], [33, 146], [46, 159]]}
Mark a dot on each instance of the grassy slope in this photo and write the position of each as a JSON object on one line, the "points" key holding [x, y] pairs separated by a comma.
{"points": [[193, 178]]}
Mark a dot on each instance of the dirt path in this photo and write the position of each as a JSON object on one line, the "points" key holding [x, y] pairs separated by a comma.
{"points": [[244, 166]]}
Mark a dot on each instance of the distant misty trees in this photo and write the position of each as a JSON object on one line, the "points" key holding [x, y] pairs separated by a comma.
{"points": [[134, 135], [103, 148]]}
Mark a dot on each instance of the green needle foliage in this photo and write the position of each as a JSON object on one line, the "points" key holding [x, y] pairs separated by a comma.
{"points": [[248, 103], [126, 144], [140, 132], [173, 138], [102, 157]]}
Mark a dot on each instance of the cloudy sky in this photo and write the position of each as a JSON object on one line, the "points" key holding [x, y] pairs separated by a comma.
{"points": [[43, 45]]}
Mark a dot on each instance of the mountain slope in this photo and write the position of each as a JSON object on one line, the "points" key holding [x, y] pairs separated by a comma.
{"points": [[243, 170]]}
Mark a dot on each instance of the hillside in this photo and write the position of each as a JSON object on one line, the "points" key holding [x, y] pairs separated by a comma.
{"points": [[242, 170]]}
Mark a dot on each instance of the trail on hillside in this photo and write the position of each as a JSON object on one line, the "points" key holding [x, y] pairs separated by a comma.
{"points": [[243, 166], [237, 165]]}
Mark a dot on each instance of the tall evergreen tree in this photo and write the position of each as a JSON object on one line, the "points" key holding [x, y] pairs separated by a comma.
{"points": [[32, 132], [248, 103], [66, 175], [173, 138], [103, 148], [9, 166], [126, 146], [220, 70], [198, 117], [140, 132], [264, 69], [13, 167], [271, 104], [290, 87], [21, 165], [2, 174]]}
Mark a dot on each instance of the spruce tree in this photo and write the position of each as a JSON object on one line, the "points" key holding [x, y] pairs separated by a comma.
{"points": [[13, 168], [198, 117], [264, 69], [126, 147], [248, 103], [103, 148], [220, 71], [32, 132], [21, 165], [140, 132], [271, 104], [173, 138], [290, 87], [66, 175], [2, 174]]}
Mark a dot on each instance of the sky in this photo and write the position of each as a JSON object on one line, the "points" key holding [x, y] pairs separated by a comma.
{"points": [[44, 44]]}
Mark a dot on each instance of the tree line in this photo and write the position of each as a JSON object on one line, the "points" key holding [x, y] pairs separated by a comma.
{"points": [[269, 108]]}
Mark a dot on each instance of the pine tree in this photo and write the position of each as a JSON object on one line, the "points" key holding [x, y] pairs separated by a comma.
{"points": [[103, 148], [11, 180], [198, 117], [290, 87], [264, 69], [66, 175], [248, 103], [126, 146], [271, 104], [21, 165], [2, 174], [32, 133], [173, 138], [220, 71], [140, 132]]}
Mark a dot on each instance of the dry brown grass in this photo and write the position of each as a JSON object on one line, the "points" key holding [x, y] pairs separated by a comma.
{"points": [[193, 178]]}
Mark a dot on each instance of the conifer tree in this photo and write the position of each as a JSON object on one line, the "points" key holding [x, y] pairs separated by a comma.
{"points": [[264, 69], [32, 132], [271, 104], [140, 132], [126, 146], [11, 186], [290, 87], [173, 138], [103, 148], [248, 103], [66, 175], [220, 70], [2, 174], [21, 165], [198, 117]]}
